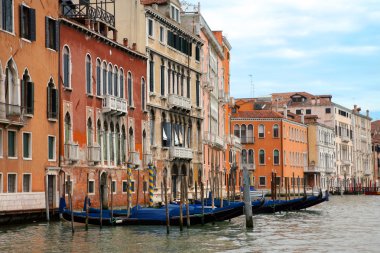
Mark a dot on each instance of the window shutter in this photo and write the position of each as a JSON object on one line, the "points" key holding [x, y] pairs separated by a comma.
{"points": [[22, 84], [22, 21], [56, 35], [32, 24], [47, 32], [30, 97], [49, 102], [54, 101]]}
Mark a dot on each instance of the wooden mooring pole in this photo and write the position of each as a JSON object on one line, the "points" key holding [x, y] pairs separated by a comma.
{"points": [[70, 188], [86, 204], [187, 203], [203, 203], [180, 205], [247, 200], [166, 205]]}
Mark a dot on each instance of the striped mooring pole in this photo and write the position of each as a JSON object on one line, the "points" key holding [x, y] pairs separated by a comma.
{"points": [[151, 186], [129, 171]]}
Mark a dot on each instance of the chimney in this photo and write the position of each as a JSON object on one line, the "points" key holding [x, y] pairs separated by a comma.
{"points": [[302, 118], [285, 111], [125, 42], [134, 46], [355, 107], [367, 113]]}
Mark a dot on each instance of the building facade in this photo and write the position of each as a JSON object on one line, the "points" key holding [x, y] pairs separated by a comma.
{"points": [[375, 133], [175, 101], [272, 142], [103, 111], [28, 112]]}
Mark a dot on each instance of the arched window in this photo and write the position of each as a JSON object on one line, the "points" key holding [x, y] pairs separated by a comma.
{"points": [[152, 128], [151, 74], [131, 140], [105, 141], [243, 134], [67, 128], [250, 134], [118, 143], [130, 91], [110, 79], [66, 67], [143, 94], [27, 88], [88, 74], [261, 131], [52, 100], [162, 77], [99, 136], [112, 142], [123, 144], [89, 133], [244, 156], [115, 82], [237, 130], [262, 157], [121, 82], [251, 159], [104, 67], [191, 177], [275, 131], [276, 157], [98, 78]]}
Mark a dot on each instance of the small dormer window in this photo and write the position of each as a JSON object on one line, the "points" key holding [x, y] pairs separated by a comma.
{"points": [[174, 13]]}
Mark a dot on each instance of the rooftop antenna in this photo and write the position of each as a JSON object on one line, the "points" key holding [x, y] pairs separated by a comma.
{"points": [[252, 86]]}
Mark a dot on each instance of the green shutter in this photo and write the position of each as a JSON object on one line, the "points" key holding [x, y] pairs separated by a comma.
{"points": [[32, 24]]}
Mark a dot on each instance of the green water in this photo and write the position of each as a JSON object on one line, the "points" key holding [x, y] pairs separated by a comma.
{"points": [[344, 224]]}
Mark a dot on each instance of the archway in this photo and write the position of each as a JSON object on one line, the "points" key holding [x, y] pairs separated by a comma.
{"points": [[175, 180]]}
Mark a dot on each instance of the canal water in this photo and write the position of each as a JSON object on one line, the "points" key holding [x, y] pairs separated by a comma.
{"points": [[344, 224]]}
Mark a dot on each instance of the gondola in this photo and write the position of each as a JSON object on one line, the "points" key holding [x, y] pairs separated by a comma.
{"points": [[314, 200]]}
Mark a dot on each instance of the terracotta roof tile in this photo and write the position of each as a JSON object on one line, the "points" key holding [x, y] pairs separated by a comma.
{"points": [[257, 114], [375, 131]]}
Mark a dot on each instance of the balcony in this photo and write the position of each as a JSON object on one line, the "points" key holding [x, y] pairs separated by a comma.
{"points": [[345, 138], [134, 158], [148, 158], [88, 11], [176, 101], [114, 105], [312, 169], [249, 166], [71, 152], [11, 114], [367, 172], [247, 140], [330, 170], [181, 153], [235, 142], [93, 153]]}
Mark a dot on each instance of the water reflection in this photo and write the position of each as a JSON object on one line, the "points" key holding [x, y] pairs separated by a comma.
{"points": [[345, 224]]}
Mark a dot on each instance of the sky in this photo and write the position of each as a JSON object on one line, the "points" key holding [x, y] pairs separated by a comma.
{"points": [[317, 46]]}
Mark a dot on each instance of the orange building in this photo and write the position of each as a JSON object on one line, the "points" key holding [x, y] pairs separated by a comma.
{"points": [[28, 109], [272, 142]]}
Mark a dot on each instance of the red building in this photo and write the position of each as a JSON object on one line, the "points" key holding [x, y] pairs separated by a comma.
{"points": [[102, 112]]}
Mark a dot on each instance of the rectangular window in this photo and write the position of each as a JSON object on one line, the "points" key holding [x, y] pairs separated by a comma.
{"points": [[298, 112], [150, 27], [162, 80], [51, 148], [69, 185], [26, 183], [145, 186], [6, 18], [328, 110], [51, 33], [262, 181], [1, 143], [27, 23], [198, 101], [91, 187], [125, 186], [174, 13], [12, 144], [132, 186], [113, 186], [278, 180], [162, 34], [27, 145], [308, 111], [197, 53], [12, 183]]}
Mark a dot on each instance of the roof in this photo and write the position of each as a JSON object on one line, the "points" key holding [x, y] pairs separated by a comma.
{"points": [[375, 131], [310, 99], [149, 2], [265, 114]]}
